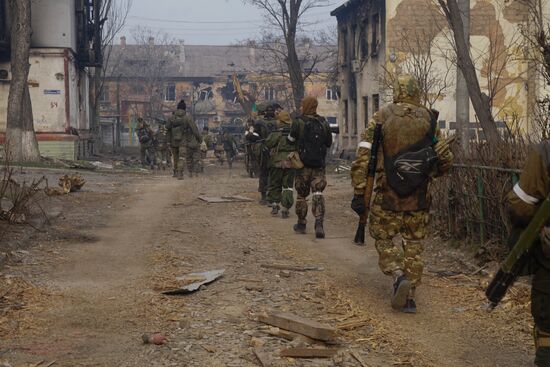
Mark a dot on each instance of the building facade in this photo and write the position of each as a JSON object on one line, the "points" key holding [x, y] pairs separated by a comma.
{"points": [[59, 78], [200, 75], [380, 39]]}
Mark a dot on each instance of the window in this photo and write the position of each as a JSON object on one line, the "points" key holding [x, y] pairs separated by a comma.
{"points": [[442, 124], [353, 38], [354, 117], [138, 89], [170, 92], [346, 119], [375, 43], [331, 94], [270, 94], [345, 46], [332, 120], [364, 41], [366, 109], [375, 102], [104, 95]]}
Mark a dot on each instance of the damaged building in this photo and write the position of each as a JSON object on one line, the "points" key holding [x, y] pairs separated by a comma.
{"points": [[63, 49], [150, 78], [379, 39]]}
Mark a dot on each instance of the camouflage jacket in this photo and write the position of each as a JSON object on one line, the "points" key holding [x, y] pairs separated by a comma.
{"points": [[523, 200], [279, 145], [403, 124], [182, 131]]}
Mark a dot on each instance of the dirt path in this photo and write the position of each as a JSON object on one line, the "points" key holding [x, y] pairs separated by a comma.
{"points": [[104, 292]]}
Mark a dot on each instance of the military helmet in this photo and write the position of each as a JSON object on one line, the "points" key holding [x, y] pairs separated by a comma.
{"points": [[406, 89], [260, 108]]}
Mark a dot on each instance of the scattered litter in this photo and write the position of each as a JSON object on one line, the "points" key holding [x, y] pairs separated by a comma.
{"points": [[154, 338], [263, 358], [300, 325], [308, 353], [358, 358], [224, 199], [285, 273], [102, 165], [292, 267], [350, 325], [194, 281], [67, 184]]}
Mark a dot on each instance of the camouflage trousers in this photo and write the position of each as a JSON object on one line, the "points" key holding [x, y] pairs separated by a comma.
{"points": [[384, 225], [310, 180], [281, 182], [192, 156], [147, 154]]}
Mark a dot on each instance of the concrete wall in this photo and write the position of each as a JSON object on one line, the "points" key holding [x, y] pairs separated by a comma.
{"points": [[54, 24]]}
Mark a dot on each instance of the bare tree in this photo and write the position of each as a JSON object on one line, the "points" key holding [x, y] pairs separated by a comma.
{"points": [[286, 17], [113, 16], [480, 100], [20, 135]]}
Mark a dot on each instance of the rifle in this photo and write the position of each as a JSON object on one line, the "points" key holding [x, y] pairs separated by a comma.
{"points": [[518, 257], [371, 172]]}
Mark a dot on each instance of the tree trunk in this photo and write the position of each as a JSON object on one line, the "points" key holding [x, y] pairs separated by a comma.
{"points": [[480, 101], [21, 140]]}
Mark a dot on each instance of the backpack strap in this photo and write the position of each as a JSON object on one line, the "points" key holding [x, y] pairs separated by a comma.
{"points": [[428, 140]]}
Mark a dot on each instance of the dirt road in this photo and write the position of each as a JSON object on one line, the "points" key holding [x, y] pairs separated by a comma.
{"points": [[91, 286]]}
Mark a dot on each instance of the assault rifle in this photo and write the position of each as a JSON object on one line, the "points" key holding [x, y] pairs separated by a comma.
{"points": [[371, 172], [518, 257]]}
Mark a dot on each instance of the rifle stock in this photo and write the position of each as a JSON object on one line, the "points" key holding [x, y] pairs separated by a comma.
{"points": [[518, 257], [369, 187]]}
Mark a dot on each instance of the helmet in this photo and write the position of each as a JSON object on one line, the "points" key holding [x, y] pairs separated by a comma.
{"points": [[405, 89]]}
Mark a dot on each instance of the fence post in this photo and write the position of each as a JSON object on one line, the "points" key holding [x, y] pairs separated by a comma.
{"points": [[481, 198]]}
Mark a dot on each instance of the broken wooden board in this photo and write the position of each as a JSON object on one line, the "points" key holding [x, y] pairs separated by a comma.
{"points": [[197, 279], [350, 325], [308, 353], [358, 358], [300, 325], [263, 358], [224, 199], [292, 267]]}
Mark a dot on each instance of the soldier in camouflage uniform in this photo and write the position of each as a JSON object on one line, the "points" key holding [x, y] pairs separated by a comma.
{"points": [[404, 123], [145, 137], [185, 140], [162, 147], [533, 187], [262, 129], [311, 179], [281, 173]]}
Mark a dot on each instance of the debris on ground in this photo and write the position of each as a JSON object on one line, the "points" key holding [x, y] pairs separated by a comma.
{"points": [[192, 282], [308, 353], [291, 267], [71, 183], [225, 199], [300, 325], [154, 338]]}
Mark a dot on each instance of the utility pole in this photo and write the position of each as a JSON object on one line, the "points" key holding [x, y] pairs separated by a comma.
{"points": [[462, 95], [116, 138]]}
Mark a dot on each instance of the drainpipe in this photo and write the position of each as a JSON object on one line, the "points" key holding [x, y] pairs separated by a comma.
{"points": [[67, 91]]}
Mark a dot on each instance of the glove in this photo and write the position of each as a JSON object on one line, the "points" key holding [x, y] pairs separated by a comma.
{"points": [[358, 204], [444, 155], [545, 240]]}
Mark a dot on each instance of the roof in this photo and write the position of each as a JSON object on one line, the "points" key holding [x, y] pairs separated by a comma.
{"points": [[344, 7], [193, 61]]}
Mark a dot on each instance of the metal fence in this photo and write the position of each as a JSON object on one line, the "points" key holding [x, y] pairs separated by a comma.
{"points": [[469, 203]]}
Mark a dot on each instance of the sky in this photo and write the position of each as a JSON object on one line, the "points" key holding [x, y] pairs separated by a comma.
{"points": [[211, 22]]}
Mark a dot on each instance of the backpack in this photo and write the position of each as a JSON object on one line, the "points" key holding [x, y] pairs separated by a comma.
{"points": [[410, 168], [312, 148], [143, 136]]}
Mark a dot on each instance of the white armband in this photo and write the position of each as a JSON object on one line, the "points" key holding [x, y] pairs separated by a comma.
{"points": [[365, 144], [525, 197]]}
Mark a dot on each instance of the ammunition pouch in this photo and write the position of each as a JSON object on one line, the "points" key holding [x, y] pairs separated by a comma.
{"points": [[542, 339]]}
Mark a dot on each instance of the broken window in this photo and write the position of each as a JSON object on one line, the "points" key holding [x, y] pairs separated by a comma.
{"points": [[375, 102], [346, 115], [104, 95], [364, 40], [331, 94], [375, 43], [170, 92], [366, 109], [270, 94], [205, 94]]}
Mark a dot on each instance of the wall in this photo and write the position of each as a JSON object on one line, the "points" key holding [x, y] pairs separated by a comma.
{"points": [[54, 24]]}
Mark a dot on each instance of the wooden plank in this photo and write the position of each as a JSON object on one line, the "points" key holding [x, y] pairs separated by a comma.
{"points": [[291, 267], [263, 358], [308, 353], [358, 358], [300, 325]]}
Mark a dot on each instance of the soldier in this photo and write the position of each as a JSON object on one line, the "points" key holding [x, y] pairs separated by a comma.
{"points": [[185, 140], [250, 158], [219, 151], [281, 173], [262, 129], [312, 135], [162, 146], [229, 147], [533, 187], [206, 145], [405, 123], [145, 137]]}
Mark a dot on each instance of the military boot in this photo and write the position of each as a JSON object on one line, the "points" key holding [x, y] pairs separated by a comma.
{"points": [[275, 209], [174, 173], [319, 230], [300, 228], [410, 306], [263, 200], [284, 213], [401, 288], [180, 175]]}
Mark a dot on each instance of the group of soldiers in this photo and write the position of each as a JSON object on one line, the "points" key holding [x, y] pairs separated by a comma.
{"points": [[410, 153], [290, 153], [177, 143]]}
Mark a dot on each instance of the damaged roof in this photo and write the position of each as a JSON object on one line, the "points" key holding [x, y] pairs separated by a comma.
{"points": [[195, 61]]}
